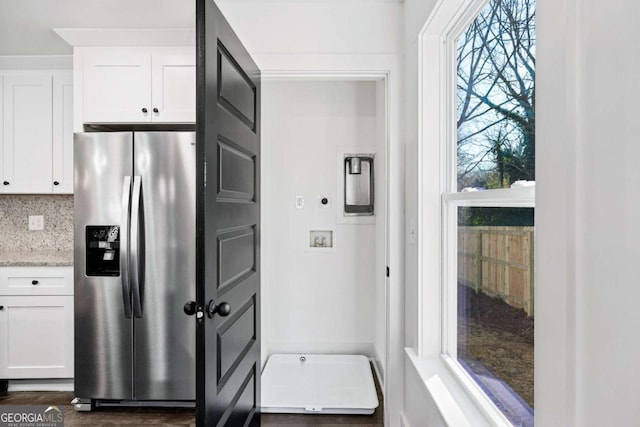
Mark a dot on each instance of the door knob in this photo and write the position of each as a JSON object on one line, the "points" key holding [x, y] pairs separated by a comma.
{"points": [[6, 183], [155, 110], [34, 282], [191, 308], [144, 110], [223, 309], [56, 183]]}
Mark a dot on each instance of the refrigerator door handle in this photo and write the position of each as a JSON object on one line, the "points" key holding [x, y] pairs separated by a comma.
{"points": [[124, 245], [137, 228]]}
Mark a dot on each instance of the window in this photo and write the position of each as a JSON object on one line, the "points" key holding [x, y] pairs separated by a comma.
{"points": [[495, 67], [488, 208], [494, 304]]}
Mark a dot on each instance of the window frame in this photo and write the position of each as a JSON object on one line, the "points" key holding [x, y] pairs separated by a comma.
{"points": [[438, 204], [505, 198], [523, 197]]}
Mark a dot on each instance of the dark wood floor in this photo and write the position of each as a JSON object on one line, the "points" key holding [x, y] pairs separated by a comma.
{"points": [[176, 417]]}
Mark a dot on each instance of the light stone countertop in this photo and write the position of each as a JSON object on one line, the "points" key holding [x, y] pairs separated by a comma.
{"points": [[50, 258]]}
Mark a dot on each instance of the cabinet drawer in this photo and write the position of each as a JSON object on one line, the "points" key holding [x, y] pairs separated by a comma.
{"points": [[36, 281], [36, 337]]}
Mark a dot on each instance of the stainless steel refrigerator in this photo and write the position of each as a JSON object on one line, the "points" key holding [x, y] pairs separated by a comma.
{"points": [[134, 214]]}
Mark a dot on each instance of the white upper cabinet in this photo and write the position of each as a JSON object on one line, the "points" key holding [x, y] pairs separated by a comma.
{"points": [[63, 134], [139, 85], [36, 137], [117, 86], [27, 142], [173, 82], [2, 155]]}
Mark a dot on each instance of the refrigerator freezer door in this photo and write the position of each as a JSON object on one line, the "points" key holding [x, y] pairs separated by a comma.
{"points": [[164, 336], [103, 333]]}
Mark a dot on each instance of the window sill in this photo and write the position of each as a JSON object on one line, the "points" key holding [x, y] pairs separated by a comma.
{"points": [[457, 402]]}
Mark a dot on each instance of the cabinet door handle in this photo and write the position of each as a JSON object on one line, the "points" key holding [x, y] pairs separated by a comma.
{"points": [[6, 183], [1, 307], [144, 110], [34, 282], [56, 183], [155, 110]]}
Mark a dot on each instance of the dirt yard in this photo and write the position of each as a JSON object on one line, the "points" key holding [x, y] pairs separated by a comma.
{"points": [[495, 336]]}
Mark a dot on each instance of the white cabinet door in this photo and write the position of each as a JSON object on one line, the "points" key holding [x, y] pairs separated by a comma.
{"points": [[63, 134], [27, 142], [117, 86], [3, 181], [32, 281], [36, 337], [173, 77]]}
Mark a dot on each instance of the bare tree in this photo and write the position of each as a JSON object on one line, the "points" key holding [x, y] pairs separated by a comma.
{"points": [[496, 95]]}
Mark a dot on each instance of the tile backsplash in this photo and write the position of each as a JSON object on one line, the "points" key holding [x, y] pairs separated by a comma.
{"points": [[58, 222]]}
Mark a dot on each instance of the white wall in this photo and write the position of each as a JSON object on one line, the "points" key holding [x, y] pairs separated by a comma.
{"points": [[315, 301], [417, 405], [557, 137], [317, 27], [415, 16], [587, 150], [380, 263]]}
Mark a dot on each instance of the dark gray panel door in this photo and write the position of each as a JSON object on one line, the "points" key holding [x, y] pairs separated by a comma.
{"points": [[228, 224], [103, 318], [163, 245]]}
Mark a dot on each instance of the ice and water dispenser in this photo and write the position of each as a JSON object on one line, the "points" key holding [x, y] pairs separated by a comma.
{"points": [[358, 184], [103, 250]]}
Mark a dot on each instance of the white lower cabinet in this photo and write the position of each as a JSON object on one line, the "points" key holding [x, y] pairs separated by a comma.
{"points": [[36, 330]]}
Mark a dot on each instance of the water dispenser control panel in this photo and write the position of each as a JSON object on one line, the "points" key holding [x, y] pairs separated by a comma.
{"points": [[103, 250]]}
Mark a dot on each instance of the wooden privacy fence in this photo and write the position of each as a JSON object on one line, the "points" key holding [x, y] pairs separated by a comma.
{"points": [[499, 262]]}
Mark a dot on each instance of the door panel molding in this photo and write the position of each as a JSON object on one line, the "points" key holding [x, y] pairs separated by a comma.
{"points": [[227, 224], [235, 163], [233, 257], [236, 91], [224, 369]]}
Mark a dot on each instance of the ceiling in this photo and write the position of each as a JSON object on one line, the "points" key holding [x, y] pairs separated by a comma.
{"points": [[26, 26]]}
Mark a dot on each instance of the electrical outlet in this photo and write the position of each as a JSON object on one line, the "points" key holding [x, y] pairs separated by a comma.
{"points": [[36, 222]]}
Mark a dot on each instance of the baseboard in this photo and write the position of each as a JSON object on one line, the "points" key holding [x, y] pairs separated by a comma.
{"points": [[376, 370], [65, 384]]}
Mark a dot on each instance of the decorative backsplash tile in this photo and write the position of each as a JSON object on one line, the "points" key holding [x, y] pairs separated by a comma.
{"points": [[58, 222]]}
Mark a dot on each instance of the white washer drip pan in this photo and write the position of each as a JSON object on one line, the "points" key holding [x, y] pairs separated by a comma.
{"points": [[318, 384]]}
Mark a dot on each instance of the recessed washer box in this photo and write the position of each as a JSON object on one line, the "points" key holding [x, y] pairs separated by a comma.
{"points": [[321, 239]]}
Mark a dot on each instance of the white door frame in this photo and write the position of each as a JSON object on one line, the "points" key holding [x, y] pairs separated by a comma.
{"points": [[394, 221]]}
